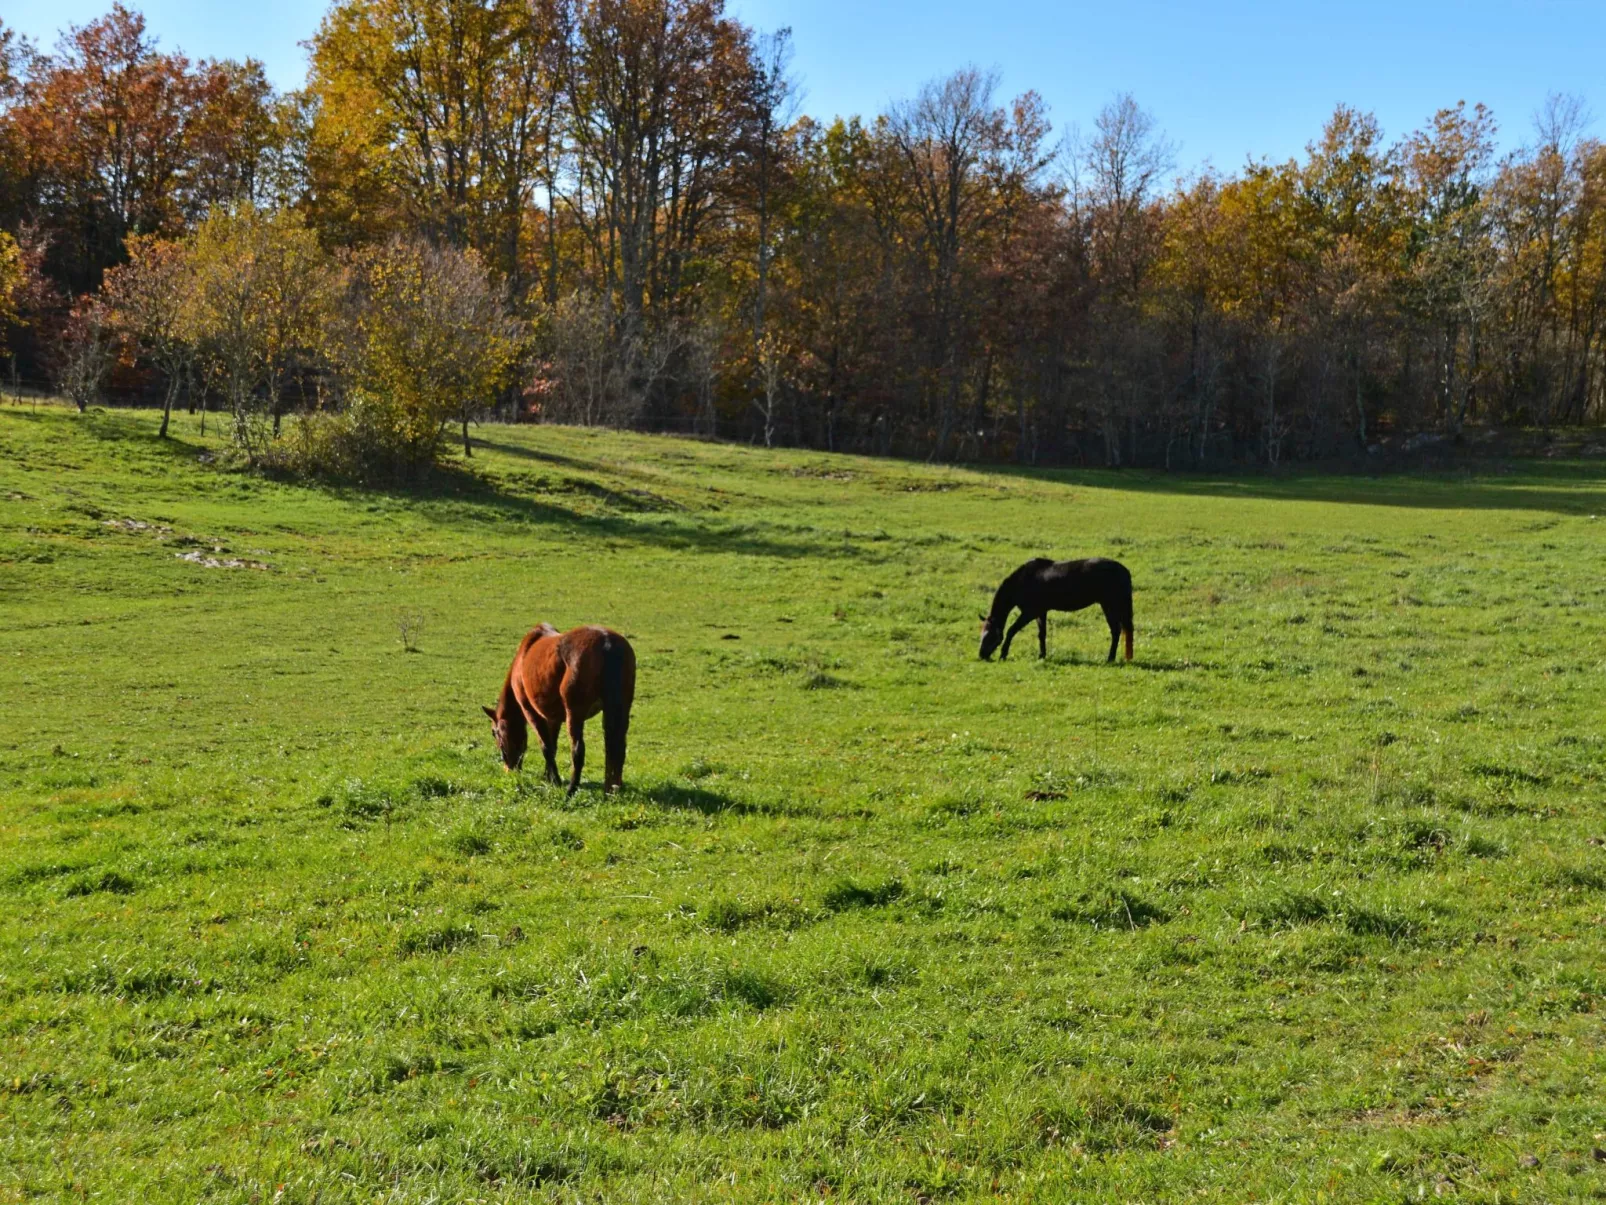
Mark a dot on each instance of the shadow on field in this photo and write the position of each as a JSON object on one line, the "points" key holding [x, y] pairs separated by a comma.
{"points": [[1572, 488], [703, 801], [460, 484], [665, 533], [1167, 667], [519, 452], [456, 483], [130, 440]]}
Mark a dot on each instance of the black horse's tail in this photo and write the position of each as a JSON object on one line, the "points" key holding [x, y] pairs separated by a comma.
{"points": [[1126, 613], [615, 709]]}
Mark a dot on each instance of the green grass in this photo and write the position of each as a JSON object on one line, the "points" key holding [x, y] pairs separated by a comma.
{"points": [[1306, 903]]}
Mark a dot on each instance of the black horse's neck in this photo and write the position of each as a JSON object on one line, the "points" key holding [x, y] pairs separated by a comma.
{"points": [[1004, 601]]}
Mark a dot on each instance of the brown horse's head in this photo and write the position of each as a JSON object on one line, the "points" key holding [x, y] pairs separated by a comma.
{"points": [[512, 736], [991, 636]]}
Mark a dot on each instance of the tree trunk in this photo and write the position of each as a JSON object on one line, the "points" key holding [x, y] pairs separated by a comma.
{"points": [[167, 406], [467, 450]]}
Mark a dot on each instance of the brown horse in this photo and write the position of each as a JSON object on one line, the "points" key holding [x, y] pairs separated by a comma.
{"points": [[569, 677]]}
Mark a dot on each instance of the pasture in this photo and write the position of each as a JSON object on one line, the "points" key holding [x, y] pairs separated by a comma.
{"points": [[1308, 902]]}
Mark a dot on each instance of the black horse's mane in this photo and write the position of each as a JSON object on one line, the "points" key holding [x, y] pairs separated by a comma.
{"points": [[1004, 597]]}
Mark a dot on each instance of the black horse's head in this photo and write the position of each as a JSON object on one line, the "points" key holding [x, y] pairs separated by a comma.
{"points": [[512, 737], [991, 636]]}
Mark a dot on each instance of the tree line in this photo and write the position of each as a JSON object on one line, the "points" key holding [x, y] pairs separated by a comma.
{"points": [[622, 195]]}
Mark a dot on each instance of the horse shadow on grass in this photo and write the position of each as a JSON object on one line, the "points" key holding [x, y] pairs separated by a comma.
{"points": [[709, 803], [670, 796]]}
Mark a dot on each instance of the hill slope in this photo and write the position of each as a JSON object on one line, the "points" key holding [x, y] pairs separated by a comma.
{"points": [[1307, 899]]}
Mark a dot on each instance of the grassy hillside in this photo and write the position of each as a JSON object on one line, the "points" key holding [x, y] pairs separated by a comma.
{"points": [[1306, 903]]}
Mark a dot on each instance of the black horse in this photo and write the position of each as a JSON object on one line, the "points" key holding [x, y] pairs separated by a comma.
{"points": [[1041, 585]]}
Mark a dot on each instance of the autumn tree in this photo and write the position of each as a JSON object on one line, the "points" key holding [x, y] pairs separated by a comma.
{"points": [[434, 116], [654, 104], [1115, 174], [429, 339], [149, 299], [259, 307], [110, 137], [962, 166], [832, 278], [11, 276], [84, 352], [762, 154], [1445, 177]]}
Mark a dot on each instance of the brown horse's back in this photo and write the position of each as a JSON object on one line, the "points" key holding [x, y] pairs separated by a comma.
{"points": [[589, 654]]}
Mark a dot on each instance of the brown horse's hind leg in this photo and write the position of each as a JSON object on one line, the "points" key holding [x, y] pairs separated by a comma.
{"points": [[577, 750], [1042, 636]]}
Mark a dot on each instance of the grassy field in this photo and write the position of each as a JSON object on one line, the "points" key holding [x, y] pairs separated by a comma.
{"points": [[1307, 903]]}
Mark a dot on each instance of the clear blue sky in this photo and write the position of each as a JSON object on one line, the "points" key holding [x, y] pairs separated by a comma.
{"points": [[1225, 79]]}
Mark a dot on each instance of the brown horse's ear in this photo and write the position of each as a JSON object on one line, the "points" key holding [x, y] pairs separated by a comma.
{"points": [[490, 711]]}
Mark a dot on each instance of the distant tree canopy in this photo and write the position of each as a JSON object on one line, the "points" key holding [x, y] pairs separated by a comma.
{"points": [[680, 249]]}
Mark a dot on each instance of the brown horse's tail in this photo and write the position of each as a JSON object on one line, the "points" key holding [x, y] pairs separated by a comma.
{"points": [[615, 709]]}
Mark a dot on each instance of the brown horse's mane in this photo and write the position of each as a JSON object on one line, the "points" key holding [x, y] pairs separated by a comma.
{"points": [[507, 703]]}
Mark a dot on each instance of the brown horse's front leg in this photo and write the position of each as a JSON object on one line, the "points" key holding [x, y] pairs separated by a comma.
{"points": [[577, 749], [548, 730], [1042, 636]]}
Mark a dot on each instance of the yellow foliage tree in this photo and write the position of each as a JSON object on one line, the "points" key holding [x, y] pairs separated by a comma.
{"points": [[11, 274], [427, 342], [262, 294]]}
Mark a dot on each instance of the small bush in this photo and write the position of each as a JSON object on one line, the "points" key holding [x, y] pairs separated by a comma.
{"points": [[373, 441]]}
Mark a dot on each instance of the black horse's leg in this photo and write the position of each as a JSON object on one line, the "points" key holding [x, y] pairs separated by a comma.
{"points": [[1003, 653], [1042, 636], [1115, 631]]}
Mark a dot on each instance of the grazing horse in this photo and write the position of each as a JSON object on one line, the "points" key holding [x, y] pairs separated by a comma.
{"points": [[569, 677], [1041, 585]]}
